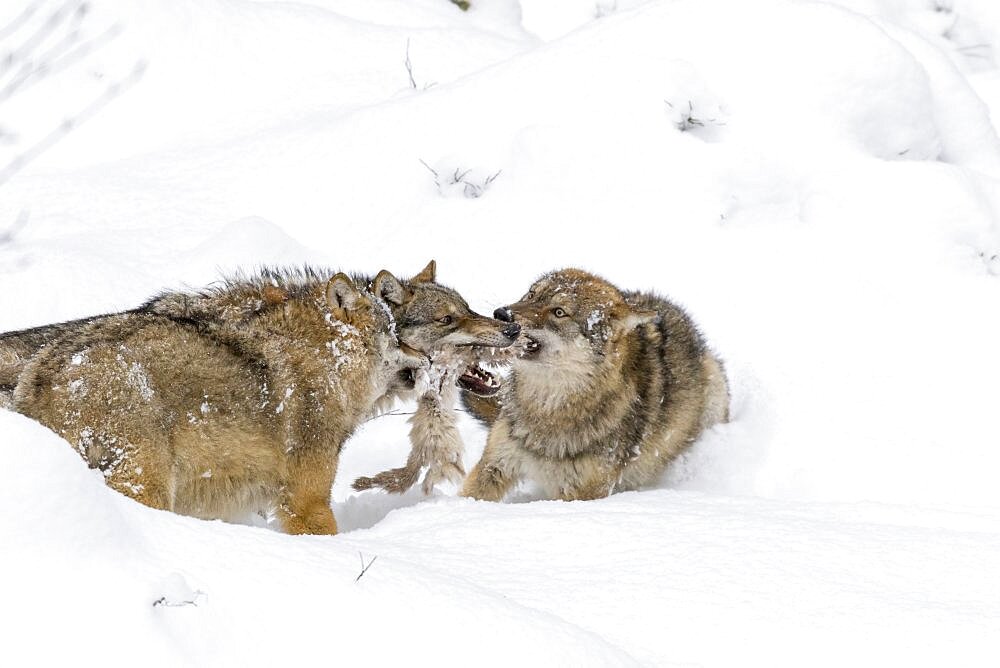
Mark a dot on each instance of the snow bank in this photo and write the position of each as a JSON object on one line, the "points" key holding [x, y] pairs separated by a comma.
{"points": [[166, 589], [654, 578]]}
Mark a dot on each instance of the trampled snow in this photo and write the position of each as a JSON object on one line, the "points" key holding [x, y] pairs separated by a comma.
{"points": [[818, 183]]}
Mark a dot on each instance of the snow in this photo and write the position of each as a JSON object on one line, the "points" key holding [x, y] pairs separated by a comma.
{"points": [[818, 183], [170, 589]]}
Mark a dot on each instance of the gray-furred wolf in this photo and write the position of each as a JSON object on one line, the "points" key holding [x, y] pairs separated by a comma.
{"points": [[612, 387]]}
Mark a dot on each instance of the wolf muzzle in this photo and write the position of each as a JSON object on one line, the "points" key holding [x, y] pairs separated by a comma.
{"points": [[511, 331]]}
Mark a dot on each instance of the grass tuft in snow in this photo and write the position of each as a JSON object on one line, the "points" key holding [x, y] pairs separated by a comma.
{"points": [[470, 183]]}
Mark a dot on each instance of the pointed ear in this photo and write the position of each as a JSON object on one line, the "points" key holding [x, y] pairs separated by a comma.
{"points": [[389, 288], [341, 292], [626, 318], [428, 275]]}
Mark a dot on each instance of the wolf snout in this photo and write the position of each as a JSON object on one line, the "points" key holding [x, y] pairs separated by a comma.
{"points": [[511, 331], [503, 313]]}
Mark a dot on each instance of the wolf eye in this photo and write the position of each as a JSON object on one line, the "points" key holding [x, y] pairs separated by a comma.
{"points": [[559, 313], [446, 320]]}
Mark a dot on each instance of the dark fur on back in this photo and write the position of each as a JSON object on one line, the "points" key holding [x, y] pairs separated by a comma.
{"points": [[242, 295], [17, 347], [218, 312], [234, 298]]}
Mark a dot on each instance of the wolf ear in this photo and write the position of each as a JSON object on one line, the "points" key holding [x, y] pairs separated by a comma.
{"points": [[626, 318], [428, 275], [341, 292], [389, 288]]}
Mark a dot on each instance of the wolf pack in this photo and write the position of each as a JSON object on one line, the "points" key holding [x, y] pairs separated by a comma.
{"points": [[237, 399]]}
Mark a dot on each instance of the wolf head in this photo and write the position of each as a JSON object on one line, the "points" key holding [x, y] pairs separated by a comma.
{"points": [[361, 324], [572, 316], [436, 320]]}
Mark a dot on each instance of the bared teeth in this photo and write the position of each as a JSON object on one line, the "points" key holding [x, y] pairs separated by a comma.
{"points": [[482, 376]]}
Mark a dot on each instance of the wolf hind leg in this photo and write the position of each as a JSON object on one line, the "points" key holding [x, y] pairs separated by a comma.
{"points": [[498, 469], [716, 407], [140, 470], [586, 479], [596, 488]]}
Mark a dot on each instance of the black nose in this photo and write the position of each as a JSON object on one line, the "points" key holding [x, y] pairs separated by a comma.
{"points": [[503, 313], [512, 330]]}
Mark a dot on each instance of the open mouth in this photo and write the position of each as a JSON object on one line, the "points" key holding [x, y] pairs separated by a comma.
{"points": [[479, 381]]}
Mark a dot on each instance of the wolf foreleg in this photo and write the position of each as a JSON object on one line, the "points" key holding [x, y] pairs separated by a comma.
{"points": [[499, 467], [305, 504]]}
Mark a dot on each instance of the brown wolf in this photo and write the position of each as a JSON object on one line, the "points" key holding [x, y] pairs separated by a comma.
{"points": [[611, 388], [427, 316], [216, 417]]}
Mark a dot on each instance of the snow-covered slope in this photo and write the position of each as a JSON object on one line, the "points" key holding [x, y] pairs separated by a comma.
{"points": [[817, 182]]}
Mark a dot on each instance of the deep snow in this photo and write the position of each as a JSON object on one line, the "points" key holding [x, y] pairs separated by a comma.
{"points": [[817, 182]]}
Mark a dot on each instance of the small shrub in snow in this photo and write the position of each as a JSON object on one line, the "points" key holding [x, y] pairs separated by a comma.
{"points": [[364, 566], [469, 183], [685, 118], [177, 593], [409, 71], [690, 105]]}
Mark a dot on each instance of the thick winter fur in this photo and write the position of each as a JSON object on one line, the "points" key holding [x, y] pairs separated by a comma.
{"points": [[239, 404], [437, 321], [614, 386], [428, 317], [17, 349]]}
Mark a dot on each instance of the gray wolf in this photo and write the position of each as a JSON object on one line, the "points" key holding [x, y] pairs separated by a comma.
{"points": [[221, 415], [612, 386]]}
